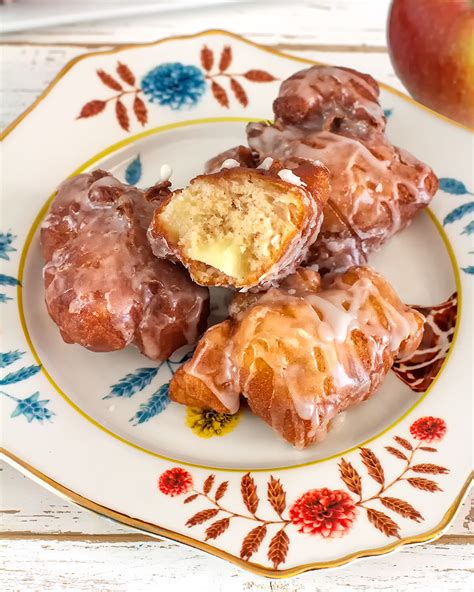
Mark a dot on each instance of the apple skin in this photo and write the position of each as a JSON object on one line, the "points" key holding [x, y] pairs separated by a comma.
{"points": [[431, 44]]}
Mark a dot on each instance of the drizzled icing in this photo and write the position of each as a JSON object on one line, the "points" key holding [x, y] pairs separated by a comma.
{"points": [[419, 369], [376, 188], [103, 286], [326, 97], [241, 154], [333, 115], [325, 349]]}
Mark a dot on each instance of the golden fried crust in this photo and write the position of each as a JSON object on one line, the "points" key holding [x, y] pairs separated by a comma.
{"points": [[88, 327], [300, 353], [191, 390], [308, 199], [103, 286]]}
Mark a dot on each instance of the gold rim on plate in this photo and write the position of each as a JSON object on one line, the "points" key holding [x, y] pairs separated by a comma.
{"points": [[256, 568]]}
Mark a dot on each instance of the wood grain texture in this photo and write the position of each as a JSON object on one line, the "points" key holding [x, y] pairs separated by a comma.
{"points": [[307, 22], [79, 566]]}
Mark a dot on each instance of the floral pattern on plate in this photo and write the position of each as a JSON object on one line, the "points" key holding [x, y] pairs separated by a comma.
{"points": [[205, 423], [31, 407], [324, 512], [307, 515], [174, 85]]}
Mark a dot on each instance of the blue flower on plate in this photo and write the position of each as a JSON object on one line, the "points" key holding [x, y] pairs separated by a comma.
{"points": [[6, 239], [32, 408], [174, 85]]}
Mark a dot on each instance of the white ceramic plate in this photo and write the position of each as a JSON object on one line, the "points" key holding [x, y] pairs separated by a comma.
{"points": [[99, 428]]}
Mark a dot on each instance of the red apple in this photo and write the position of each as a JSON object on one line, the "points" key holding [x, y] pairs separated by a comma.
{"points": [[431, 45]]}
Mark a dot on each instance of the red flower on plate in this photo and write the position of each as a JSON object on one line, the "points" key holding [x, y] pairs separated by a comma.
{"points": [[175, 481], [326, 512], [428, 429]]}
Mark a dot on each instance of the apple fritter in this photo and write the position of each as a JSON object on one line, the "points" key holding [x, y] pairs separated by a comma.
{"points": [[103, 286], [301, 353]]}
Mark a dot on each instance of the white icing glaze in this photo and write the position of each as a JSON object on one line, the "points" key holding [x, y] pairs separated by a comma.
{"points": [[366, 191], [332, 115], [336, 95], [230, 163], [290, 177], [266, 163], [327, 349], [100, 265], [165, 173]]}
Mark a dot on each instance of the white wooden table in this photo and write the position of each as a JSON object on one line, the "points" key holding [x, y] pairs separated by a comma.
{"points": [[49, 544]]}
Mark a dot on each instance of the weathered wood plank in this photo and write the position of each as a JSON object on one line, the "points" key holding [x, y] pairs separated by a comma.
{"points": [[323, 22], [60, 565]]}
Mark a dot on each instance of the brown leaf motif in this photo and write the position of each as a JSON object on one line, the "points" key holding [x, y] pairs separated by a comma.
{"points": [[429, 469], [207, 58], [249, 493], [221, 490], [383, 523], [239, 92], [403, 443], [424, 484], [202, 516], [401, 507], [125, 74], [208, 483], [190, 498], [276, 495], [252, 542], [108, 80], [226, 58], [220, 94], [259, 76], [122, 115], [350, 477], [217, 528], [223, 69], [140, 110], [92, 108], [372, 464], [395, 452], [428, 449], [278, 549]]}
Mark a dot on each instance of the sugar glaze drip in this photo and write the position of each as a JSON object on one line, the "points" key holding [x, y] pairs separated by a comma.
{"points": [[326, 349]]}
